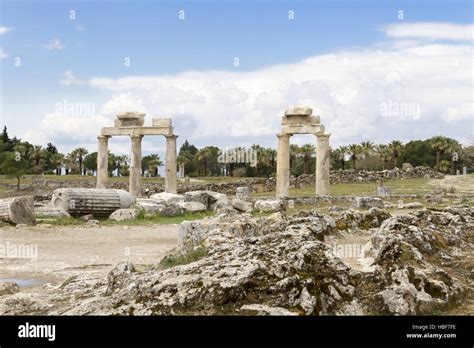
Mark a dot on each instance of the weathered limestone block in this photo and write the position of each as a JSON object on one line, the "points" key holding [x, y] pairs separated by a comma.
{"points": [[242, 193], [224, 208], [241, 205], [208, 198], [51, 212], [99, 202], [161, 122], [150, 206], [197, 196], [167, 198], [191, 207], [299, 110], [367, 202], [171, 210], [17, 210], [410, 205], [124, 214], [130, 119], [272, 205]]}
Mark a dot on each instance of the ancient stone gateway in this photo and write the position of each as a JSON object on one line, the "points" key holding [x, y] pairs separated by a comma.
{"points": [[299, 120], [132, 124]]}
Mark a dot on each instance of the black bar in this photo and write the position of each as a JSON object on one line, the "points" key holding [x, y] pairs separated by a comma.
{"points": [[290, 331]]}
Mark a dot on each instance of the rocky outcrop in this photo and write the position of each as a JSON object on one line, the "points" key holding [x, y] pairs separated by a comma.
{"points": [[285, 265]]}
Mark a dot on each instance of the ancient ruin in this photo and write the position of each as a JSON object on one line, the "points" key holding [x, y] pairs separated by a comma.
{"points": [[132, 124], [300, 120]]}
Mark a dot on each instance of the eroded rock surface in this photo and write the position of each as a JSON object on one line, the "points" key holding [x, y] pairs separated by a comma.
{"points": [[285, 265]]}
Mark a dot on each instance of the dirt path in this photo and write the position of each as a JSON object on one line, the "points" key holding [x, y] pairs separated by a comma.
{"points": [[65, 251], [461, 183]]}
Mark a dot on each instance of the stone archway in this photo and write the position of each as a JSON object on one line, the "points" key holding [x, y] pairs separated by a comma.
{"points": [[132, 124], [300, 120]]}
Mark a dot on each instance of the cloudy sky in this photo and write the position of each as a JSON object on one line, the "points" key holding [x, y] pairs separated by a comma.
{"points": [[373, 70]]}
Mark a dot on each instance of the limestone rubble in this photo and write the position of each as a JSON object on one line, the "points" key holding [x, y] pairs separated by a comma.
{"points": [[286, 265]]}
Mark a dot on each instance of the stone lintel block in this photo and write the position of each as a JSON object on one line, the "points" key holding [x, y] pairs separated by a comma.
{"points": [[130, 119], [300, 120], [299, 111], [128, 131], [302, 129], [161, 122]]}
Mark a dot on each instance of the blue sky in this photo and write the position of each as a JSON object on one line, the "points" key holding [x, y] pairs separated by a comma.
{"points": [[213, 33]]}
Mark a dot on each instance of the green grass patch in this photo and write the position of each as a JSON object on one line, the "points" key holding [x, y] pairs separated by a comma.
{"points": [[404, 186], [173, 260], [157, 219], [142, 219], [62, 221]]}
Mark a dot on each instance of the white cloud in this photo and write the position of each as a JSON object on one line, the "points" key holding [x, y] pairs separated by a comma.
{"points": [[69, 131], [4, 30], [122, 102], [347, 89], [70, 79], [54, 45], [3, 54], [430, 30], [458, 113]]}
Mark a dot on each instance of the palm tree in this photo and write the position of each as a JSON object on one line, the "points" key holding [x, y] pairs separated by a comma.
{"points": [[183, 159], [294, 152], [367, 148], [342, 151], [153, 163], [439, 144], [260, 153], [307, 150], [58, 159], [272, 155], [70, 163], [453, 147], [78, 155], [120, 162], [203, 156], [383, 153], [395, 147], [354, 151]]}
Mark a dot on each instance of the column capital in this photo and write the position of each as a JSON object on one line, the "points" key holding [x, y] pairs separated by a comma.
{"points": [[322, 135], [171, 136], [284, 135], [101, 137], [136, 136]]}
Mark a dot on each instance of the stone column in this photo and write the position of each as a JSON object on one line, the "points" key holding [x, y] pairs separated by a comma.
{"points": [[103, 161], [136, 166], [322, 164], [170, 176], [283, 165]]}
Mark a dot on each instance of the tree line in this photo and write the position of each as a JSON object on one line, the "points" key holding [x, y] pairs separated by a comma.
{"points": [[18, 158]]}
